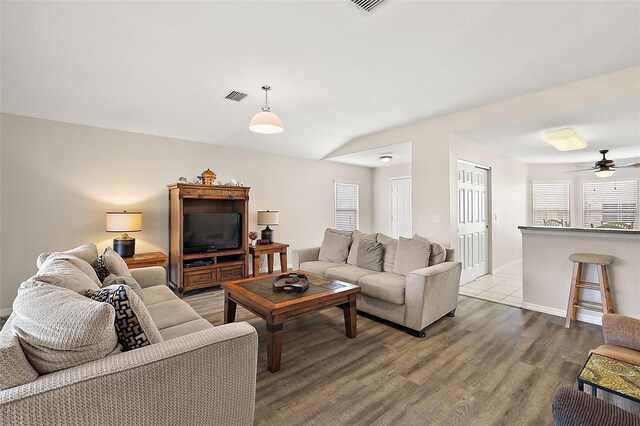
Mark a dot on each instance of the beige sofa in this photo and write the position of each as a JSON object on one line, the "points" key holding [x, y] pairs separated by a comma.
{"points": [[414, 301], [198, 374]]}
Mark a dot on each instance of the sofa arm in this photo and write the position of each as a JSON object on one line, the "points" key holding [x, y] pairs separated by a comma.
{"points": [[304, 255], [573, 407], [208, 377], [150, 276], [431, 293], [620, 330]]}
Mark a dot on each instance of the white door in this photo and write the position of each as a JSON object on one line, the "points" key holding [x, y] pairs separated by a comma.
{"points": [[401, 207], [473, 221]]}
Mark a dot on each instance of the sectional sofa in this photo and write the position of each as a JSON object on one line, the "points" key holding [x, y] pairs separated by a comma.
{"points": [[417, 282]]}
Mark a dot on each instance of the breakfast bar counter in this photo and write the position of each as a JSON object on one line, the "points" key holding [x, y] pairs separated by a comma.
{"points": [[547, 270]]}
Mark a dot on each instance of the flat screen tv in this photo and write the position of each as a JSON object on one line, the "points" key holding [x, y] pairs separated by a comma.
{"points": [[205, 232]]}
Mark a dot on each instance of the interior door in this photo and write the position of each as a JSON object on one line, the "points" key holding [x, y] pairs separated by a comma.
{"points": [[473, 221], [401, 208]]}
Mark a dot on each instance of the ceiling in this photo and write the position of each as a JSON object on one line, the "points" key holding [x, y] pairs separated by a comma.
{"points": [[164, 68], [613, 125], [401, 153]]}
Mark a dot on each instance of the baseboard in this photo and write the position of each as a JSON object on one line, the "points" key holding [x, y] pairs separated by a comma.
{"points": [[591, 319], [5, 312], [507, 266]]}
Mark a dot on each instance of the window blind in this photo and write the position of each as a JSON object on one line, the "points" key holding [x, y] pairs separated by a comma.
{"points": [[605, 202], [346, 206], [550, 201]]}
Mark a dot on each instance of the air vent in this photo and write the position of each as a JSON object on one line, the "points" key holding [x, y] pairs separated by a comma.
{"points": [[366, 4], [236, 96]]}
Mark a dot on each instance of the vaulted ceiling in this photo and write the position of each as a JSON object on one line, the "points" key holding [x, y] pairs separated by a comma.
{"points": [[336, 72]]}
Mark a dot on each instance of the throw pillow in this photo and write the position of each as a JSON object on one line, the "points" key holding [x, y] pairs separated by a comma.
{"points": [[370, 255], [390, 248], [82, 265], [59, 328], [100, 266], [130, 281], [115, 263], [87, 252], [353, 251], [133, 323], [413, 253], [438, 252], [60, 272], [335, 247], [14, 365]]}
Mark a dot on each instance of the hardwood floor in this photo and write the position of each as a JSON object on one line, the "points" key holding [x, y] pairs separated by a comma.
{"points": [[491, 364]]}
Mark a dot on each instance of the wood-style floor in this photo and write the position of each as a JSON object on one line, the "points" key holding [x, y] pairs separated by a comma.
{"points": [[491, 364]]}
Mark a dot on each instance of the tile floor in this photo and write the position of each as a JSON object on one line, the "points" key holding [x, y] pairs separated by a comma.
{"points": [[503, 287]]}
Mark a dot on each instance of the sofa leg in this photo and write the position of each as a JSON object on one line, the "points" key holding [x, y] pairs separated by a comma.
{"points": [[452, 313], [417, 333]]}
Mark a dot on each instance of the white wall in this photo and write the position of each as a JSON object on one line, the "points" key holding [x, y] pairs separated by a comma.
{"points": [[508, 203], [59, 179], [542, 172], [382, 195]]}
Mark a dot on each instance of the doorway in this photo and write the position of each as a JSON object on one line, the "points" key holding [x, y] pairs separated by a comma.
{"points": [[401, 207], [473, 220]]}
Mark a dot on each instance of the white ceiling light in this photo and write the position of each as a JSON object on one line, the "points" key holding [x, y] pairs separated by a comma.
{"points": [[565, 139], [265, 121], [604, 172], [385, 158]]}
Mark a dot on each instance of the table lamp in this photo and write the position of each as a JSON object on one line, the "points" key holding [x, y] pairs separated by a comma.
{"points": [[268, 217], [124, 222]]}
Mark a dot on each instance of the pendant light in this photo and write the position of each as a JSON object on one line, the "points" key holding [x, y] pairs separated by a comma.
{"points": [[265, 121]]}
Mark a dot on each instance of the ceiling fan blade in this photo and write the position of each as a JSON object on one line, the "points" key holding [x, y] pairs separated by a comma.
{"points": [[581, 170], [637, 165]]}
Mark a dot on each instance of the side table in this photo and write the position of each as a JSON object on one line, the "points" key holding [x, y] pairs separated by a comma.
{"points": [[268, 249], [143, 260], [611, 375]]}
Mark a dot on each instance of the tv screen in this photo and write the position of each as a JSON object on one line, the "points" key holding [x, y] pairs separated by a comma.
{"points": [[205, 231]]}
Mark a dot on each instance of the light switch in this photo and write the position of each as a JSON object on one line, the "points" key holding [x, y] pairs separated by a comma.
{"points": [[436, 218]]}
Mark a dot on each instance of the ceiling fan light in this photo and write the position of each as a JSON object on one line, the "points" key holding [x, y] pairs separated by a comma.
{"points": [[565, 139], [266, 122], [605, 172]]}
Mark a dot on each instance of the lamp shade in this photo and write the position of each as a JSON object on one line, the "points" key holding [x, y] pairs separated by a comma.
{"points": [[124, 221], [268, 217], [265, 122]]}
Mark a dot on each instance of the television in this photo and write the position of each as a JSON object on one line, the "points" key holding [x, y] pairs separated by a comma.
{"points": [[207, 232]]}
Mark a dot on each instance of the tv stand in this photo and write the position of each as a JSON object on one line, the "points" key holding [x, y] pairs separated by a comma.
{"points": [[213, 266]]}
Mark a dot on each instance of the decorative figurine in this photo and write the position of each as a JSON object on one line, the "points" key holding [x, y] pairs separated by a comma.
{"points": [[208, 177]]}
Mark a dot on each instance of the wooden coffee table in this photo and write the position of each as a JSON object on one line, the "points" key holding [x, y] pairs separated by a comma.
{"points": [[257, 295]]}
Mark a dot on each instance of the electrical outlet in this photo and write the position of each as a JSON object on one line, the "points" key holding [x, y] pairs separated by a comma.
{"points": [[436, 218]]}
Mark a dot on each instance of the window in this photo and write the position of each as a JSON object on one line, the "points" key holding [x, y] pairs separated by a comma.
{"points": [[550, 201], [605, 202], [346, 206]]}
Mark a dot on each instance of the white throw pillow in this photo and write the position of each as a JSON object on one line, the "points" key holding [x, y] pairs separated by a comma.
{"points": [[77, 262], [335, 247], [412, 254], [87, 252], [59, 328], [115, 263], [62, 273]]}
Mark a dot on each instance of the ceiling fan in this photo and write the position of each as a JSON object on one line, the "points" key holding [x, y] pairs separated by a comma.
{"points": [[605, 167]]}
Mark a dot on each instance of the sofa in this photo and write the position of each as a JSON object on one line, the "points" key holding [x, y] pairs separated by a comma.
{"points": [[185, 371], [424, 289], [572, 407]]}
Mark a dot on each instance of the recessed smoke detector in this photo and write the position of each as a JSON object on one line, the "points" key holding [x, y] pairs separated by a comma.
{"points": [[366, 5], [236, 96]]}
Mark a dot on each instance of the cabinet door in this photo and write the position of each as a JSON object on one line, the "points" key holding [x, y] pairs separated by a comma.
{"points": [[200, 278], [227, 273]]}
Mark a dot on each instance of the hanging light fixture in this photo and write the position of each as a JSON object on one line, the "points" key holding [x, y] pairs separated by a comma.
{"points": [[265, 121]]}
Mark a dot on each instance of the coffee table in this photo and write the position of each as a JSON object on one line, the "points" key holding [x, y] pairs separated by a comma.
{"points": [[611, 375], [257, 295]]}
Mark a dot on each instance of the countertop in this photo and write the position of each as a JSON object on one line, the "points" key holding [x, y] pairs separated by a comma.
{"points": [[581, 230]]}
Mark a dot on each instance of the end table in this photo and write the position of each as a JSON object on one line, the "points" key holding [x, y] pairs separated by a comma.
{"points": [[268, 249], [143, 260]]}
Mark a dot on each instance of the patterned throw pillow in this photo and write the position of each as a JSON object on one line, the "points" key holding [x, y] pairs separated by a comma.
{"points": [[134, 325], [100, 266]]}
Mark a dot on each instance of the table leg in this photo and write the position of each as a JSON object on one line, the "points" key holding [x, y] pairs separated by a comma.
{"points": [[581, 386], [594, 391], [274, 345], [349, 311], [270, 262], [256, 265], [229, 309], [283, 261]]}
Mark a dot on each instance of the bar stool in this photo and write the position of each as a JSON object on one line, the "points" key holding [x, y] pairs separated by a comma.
{"points": [[606, 305]]}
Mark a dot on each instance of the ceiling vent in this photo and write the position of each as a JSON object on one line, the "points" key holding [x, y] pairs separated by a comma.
{"points": [[366, 5], [236, 96]]}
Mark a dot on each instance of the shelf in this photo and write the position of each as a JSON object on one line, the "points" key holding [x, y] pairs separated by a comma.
{"points": [[213, 254]]}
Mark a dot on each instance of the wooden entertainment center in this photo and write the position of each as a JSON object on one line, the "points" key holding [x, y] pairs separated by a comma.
{"points": [[225, 265]]}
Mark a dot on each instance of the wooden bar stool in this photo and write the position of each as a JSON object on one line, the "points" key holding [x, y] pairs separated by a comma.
{"points": [[606, 305]]}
